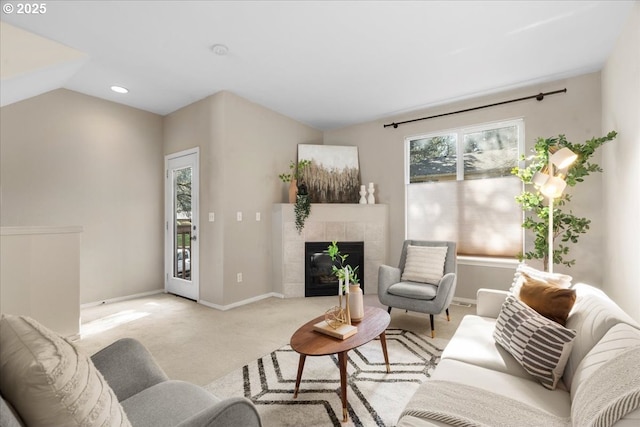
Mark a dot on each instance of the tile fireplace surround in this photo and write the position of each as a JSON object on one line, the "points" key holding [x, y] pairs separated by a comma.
{"points": [[327, 222]]}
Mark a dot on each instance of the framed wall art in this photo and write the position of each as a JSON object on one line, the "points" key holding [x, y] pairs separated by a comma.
{"points": [[334, 173]]}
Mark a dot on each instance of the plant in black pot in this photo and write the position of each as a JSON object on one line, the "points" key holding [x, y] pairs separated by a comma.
{"points": [[302, 207]]}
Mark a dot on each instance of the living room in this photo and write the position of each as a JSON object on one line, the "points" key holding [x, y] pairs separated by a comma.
{"points": [[72, 159]]}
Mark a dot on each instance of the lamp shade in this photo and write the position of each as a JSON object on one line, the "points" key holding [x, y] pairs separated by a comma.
{"points": [[539, 179], [553, 187], [563, 158]]}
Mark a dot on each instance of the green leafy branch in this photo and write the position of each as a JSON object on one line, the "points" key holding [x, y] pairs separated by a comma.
{"points": [[339, 269], [295, 170]]}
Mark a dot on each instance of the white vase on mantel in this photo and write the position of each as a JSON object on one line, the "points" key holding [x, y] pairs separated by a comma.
{"points": [[363, 195], [371, 198]]}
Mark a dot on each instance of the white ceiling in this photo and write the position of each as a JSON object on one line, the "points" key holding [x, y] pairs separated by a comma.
{"points": [[328, 64]]}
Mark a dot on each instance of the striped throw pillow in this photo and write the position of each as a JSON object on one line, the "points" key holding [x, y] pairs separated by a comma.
{"points": [[540, 345], [424, 264]]}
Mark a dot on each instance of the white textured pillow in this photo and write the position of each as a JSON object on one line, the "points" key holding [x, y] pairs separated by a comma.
{"points": [[540, 345], [560, 280], [49, 382], [424, 264]]}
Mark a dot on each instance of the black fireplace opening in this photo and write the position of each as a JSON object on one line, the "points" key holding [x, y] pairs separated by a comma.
{"points": [[319, 279]]}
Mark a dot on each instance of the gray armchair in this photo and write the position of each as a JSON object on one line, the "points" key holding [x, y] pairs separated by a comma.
{"points": [[149, 398], [416, 296]]}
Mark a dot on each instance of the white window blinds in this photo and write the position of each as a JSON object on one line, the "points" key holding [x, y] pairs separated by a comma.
{"points": [[471, 203]]}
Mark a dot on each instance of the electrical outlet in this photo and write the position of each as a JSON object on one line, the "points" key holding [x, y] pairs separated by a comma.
{"points": [[239, 277], [212, 216], [239, 216]]}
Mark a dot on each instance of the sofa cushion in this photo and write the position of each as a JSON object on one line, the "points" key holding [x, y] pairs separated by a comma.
{"points": [[592, 316], [424, 264], [49, 382], [473, 343], [541, 345], [547, 298], [167, 404], [554, 402]]}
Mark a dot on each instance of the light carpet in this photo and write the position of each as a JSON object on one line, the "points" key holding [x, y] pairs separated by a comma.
{"points": [[375, 397]]}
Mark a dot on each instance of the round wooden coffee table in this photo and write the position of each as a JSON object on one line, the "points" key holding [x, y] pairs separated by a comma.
{"points": [[308, 342]]}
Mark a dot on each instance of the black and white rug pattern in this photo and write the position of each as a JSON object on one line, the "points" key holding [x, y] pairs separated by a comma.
{"points": [[375, 397]]}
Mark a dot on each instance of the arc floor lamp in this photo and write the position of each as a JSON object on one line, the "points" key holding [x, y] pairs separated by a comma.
{"points": [[550, 181]]}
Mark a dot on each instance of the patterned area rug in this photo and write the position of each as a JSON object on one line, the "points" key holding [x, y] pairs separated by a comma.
{"points": [[375, 397]]}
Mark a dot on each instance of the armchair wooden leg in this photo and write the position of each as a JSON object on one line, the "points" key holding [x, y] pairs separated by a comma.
{"points": [[448, 317], [389, 310], [433, 330]]}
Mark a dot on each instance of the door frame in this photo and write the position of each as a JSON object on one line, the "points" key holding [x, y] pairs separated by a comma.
{"points": [[194, 291]]}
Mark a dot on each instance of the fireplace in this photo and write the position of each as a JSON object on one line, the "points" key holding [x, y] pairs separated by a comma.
{"points": [[319, 280]]}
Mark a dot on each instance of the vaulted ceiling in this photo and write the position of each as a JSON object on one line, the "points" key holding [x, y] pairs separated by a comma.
{"points": [[328, 64]]}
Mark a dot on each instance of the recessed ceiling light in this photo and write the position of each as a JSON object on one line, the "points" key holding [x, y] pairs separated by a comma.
{"points": [[119, 89], [220, 49]]}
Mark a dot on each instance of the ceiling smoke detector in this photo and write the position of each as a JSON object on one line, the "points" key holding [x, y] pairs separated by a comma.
{"points": [[220, 49]]}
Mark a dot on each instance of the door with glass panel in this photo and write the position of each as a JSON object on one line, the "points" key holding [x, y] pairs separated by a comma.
{"points": [[181, 224]]}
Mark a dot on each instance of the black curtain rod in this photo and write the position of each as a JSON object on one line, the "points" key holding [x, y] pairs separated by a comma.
{"points": [[538, 97]]}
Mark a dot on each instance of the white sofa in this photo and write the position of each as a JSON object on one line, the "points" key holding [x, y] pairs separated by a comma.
{"points": [[477, 382]]}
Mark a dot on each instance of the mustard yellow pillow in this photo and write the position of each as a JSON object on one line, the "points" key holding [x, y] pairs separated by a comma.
{"points": [[548, 299]]}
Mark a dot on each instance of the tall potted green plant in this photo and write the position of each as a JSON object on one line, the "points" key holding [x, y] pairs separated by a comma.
{"points": [[566, 226]]}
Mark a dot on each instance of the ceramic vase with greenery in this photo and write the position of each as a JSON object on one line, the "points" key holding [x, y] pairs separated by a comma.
{"points": [[566, 226], [339, 269], [349, 283]]}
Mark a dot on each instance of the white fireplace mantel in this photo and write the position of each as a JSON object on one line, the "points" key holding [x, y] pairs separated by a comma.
{"points": [[327, 222]]}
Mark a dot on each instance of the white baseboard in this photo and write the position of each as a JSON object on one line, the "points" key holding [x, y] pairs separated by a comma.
{"points": [[464, 301], [118, 299], [240, 303]]}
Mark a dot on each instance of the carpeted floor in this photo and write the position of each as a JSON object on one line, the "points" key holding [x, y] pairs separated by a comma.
{"points": [[375, 397], [195, 343]]}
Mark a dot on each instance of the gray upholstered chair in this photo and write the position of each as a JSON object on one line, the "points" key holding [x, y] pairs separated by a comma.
{"points": [[418, 296], [45, 380]]}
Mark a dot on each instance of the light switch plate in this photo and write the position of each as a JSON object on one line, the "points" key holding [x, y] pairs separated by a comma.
{"points": [[212, 216], [257, 216], [239, 216]]}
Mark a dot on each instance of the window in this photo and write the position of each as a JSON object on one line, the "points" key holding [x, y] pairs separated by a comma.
{"points": [[460, 188]]}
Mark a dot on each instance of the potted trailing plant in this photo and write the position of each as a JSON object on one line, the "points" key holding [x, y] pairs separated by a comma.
{"points": [[298, 193], [302, 207], [566, 226]]}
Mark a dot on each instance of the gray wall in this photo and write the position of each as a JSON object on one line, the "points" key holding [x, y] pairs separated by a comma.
{"points": [[71, 159], [575, 114], [243, 148], [621, 111]]}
